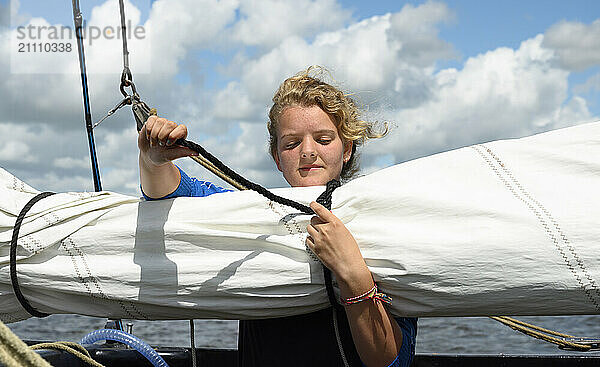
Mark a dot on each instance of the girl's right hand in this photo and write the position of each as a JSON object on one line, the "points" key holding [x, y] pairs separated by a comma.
{"points": [[156, 141]]}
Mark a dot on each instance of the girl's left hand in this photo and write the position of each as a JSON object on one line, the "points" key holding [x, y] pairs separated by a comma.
{"points": [[335, 246]]}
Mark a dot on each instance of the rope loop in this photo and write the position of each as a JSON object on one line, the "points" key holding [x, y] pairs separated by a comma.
{"points": [[13, 256]]}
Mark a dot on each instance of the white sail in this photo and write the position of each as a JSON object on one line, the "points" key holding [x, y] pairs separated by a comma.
{"points": [[509, 227]]}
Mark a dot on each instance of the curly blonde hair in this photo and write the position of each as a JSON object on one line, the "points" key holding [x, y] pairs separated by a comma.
{"points": [[307, 89]]}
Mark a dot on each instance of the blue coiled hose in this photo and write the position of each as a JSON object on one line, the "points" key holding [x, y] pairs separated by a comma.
{"points": [[127, 339]]}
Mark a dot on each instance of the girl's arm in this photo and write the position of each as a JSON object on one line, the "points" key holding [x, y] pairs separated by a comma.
{"points": [[376, 335], [158, 175]]}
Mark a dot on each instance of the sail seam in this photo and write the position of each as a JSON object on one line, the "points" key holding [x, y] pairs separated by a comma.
{"points": [[75, 252], [546, 220], [287, 218]]}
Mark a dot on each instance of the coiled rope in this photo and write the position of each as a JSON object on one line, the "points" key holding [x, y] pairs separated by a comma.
{"points": [[71, 348], [15, 353]]}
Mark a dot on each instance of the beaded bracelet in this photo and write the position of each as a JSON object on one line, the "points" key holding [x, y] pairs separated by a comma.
{"points": [[372, 293]]}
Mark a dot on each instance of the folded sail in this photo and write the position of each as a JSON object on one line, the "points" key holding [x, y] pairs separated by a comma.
{"points": [[508, 227]]}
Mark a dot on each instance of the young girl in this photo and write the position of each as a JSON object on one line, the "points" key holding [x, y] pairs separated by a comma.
{"points": [[314, 133]]}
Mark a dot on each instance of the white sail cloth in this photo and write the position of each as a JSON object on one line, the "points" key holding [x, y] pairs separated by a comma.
{"points": [[509, 227]]}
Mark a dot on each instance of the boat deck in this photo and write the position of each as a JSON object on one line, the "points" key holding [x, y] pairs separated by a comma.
{"points": [[116, 356]]}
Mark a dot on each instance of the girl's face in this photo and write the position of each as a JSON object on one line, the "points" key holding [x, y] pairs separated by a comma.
{"points": [[310, 151]]}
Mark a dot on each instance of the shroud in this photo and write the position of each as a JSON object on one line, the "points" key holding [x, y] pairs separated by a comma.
{"points": [[509, 227]]}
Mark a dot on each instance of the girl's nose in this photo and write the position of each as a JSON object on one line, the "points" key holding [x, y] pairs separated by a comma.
{"points": [[308, 149]]}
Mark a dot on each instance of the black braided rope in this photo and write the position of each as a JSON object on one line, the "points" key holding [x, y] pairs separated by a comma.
{"points": [[13, 256], [337, 310], [325, 200], [245, 182]]}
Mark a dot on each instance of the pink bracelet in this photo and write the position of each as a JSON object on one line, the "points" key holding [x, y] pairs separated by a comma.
{"points": [[372, 293]]}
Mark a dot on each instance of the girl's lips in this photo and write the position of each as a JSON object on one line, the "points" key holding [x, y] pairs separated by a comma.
{"points": [[309, 168]]}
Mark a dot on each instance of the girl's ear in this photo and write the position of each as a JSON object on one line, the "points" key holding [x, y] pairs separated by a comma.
{"points": [[347, 150]]}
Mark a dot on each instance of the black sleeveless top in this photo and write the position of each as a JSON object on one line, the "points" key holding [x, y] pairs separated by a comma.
{"points": [[304, 340]]}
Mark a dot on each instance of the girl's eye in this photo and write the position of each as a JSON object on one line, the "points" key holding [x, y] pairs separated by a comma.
{"points": [[291, 145], [324, 141]]}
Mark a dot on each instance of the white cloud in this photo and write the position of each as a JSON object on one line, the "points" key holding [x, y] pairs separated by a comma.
{"points": [[366, 55], [13, 149], [52, 181], [233, 103], [124, 180], [32, 150], [51, 103], [500, 94], [358, 54], [179, 26], [577, 45], [378, 55], [573, 111], [415, 34], [266, 23], [72, 162], [118, 161]]}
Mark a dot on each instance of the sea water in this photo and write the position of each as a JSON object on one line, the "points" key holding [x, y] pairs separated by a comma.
{"points": [[475, 335]]}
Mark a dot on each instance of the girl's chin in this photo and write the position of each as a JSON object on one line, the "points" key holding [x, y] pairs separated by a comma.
{"points": [[315, 180]]}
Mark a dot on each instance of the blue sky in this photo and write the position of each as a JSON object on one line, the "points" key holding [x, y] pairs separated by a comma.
{"points": [[214, 64]]}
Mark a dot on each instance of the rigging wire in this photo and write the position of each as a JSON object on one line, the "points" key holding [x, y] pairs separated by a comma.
{"points": [[78, 20]]}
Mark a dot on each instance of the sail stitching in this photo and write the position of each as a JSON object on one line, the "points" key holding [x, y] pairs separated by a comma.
{"points": [[298, 230], [564, 238], [527, 199], [18, 185], [75, 252], [97, 284], [94, 280], [29, 243], [286, 223]]}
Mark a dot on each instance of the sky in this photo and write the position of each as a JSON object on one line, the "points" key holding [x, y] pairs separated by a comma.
{"points": [[442, 74]]}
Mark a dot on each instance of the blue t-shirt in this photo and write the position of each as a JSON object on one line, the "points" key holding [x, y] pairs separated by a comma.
{"points": [[250, 331], [191, 187]]}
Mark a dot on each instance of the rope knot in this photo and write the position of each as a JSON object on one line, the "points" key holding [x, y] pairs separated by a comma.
{"points": [[325, 198]]}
